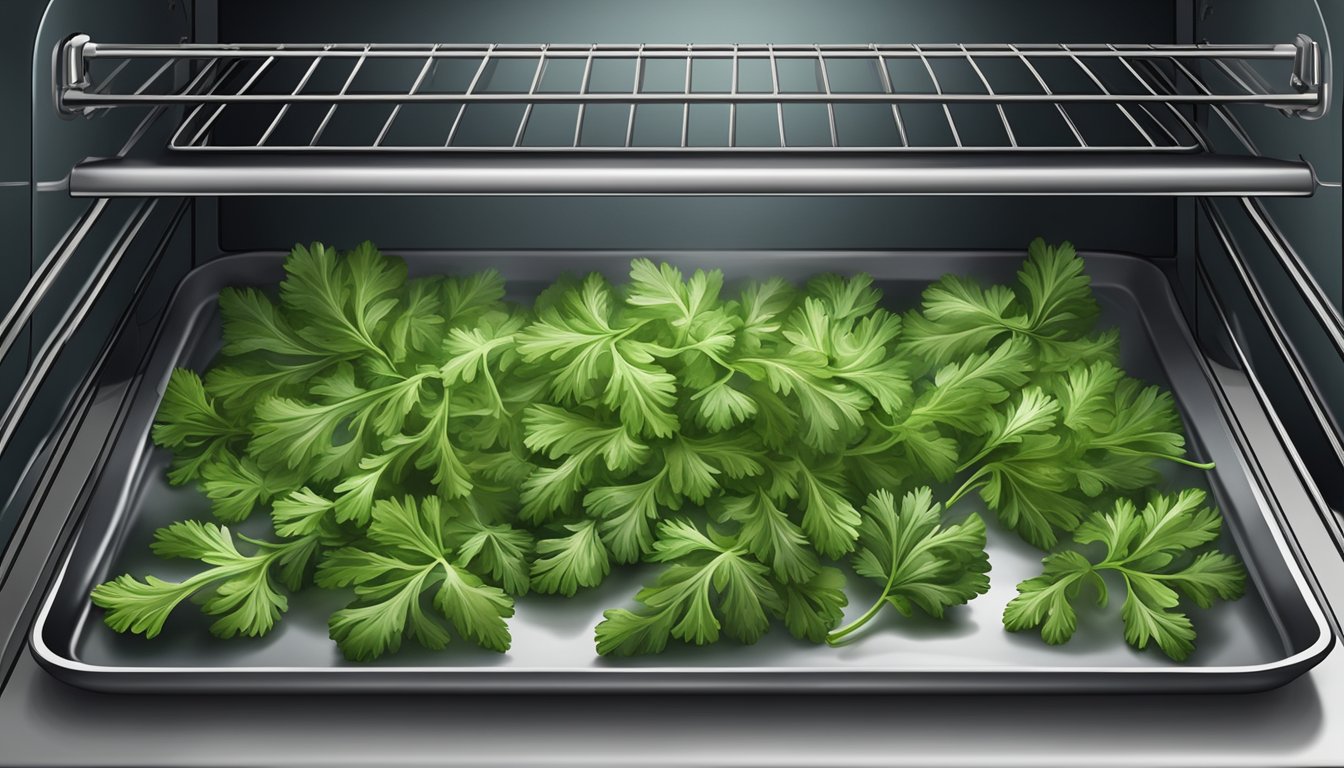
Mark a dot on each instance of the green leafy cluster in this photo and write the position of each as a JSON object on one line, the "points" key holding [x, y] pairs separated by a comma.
{"points": [[1160, 556], [437, 451]]}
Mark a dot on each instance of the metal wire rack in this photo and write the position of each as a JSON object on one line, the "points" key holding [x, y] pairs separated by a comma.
{"points": [[647, 101]]}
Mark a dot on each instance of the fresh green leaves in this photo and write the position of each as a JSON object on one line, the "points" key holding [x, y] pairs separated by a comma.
{"points": [[1160, 556], [413, 565], [437, 451], [919, 563], [712, 586], [242, 589], [1051, 309]]}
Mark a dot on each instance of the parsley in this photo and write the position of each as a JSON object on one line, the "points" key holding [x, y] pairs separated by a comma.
{"points": [[435, 451], [413, 560], [712, 585], [242, 589], [1160, 556], [920, 563]]}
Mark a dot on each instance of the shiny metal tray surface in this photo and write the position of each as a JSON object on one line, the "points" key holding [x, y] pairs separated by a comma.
{"points": [[1275, 633]]}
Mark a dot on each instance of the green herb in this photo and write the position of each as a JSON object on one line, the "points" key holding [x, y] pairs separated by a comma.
{"points": [[437, 451], [920, 563], [413, 560], [1158, 554], [713, 585], [244, 590]]}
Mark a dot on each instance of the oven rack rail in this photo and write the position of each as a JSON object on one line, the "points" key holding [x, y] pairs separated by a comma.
{"points": [[689, 119]]}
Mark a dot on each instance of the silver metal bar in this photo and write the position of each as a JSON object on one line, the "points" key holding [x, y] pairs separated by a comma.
{"points": [[345, 87], [532, 89], [1064, 113], [686, 107], [21, 310], [1003, 116], [1274, 327], [830, 103], [670, 149], [639, 78], [74, 318], [1097, 81], [583, 89], [415, 87], [885, 77], [82, 100], [938, 90], [732, 105], [1283, 51], [773, 172], [779, 107], [303, 81]]}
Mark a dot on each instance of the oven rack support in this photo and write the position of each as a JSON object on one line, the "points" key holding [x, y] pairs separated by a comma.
{"points": [[297, 119]]}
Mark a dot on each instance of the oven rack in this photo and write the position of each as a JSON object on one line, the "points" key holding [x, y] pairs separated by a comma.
{"points": [[689, 119]]}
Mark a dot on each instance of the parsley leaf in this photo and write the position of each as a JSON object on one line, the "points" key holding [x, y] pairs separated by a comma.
{"points": [[577, 560], [768, 533], [242, 588], [706, 570], [1156, 553], [579, 340], [390, 585], [920, 563], [189, 423]]}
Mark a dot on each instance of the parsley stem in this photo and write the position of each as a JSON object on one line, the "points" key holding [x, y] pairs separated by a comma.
{"points": [[965, 488], [838, 636], [1120, 449]]}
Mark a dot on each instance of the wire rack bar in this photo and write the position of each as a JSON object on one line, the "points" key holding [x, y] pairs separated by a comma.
{"points": [[148, 99], [92, 50]]}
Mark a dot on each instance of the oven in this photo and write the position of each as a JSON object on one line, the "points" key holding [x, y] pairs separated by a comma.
{"points": [[164, 158]]}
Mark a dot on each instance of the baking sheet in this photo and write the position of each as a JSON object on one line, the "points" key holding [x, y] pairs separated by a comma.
{"points": [[1269, 637]]}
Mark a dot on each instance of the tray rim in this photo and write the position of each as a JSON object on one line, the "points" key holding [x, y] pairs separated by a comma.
{"points": [[502, 679]]}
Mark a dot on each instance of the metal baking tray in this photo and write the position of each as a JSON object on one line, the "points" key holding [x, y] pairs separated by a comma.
{"points": [[1274, 634]]}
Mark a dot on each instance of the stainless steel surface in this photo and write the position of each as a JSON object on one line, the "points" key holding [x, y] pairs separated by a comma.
{"points": [[730, 172], [1273, 325], [39, 283], [1272, 636], [1325, 311], [71, 319]]}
